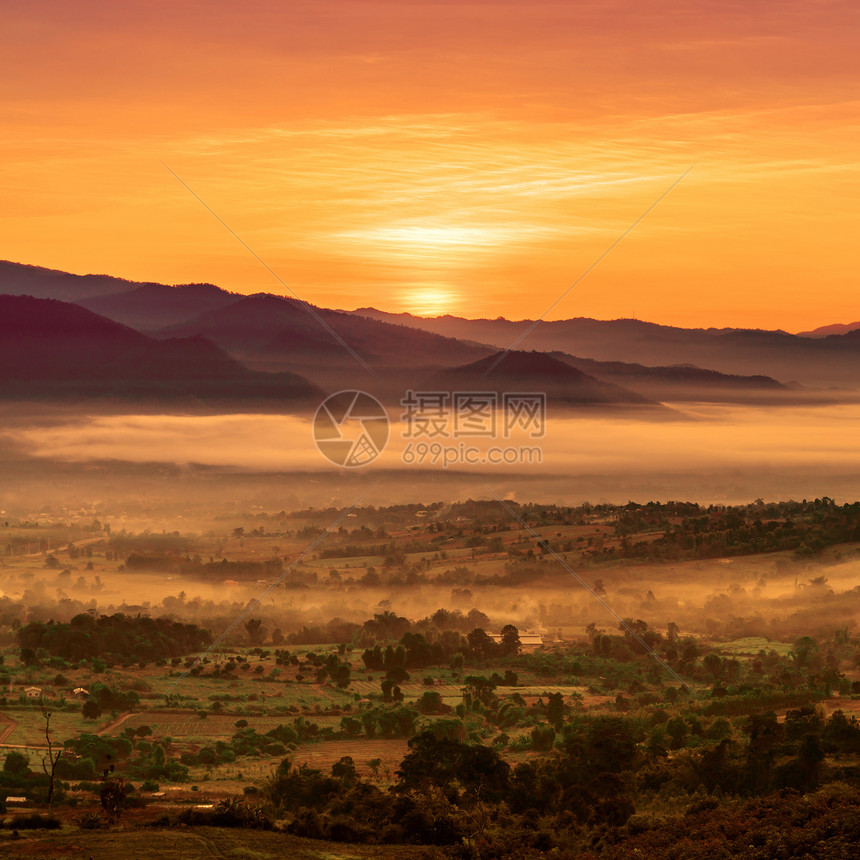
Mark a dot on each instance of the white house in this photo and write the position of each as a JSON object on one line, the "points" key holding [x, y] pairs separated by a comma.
{"points": [[33, 692]]}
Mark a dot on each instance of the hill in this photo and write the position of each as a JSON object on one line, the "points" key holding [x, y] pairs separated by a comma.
{"points": [[18, 279], [519, 371], [682, 382], [827, 330], [826, 361], [52, 349], [154, 306], [271, 333]]}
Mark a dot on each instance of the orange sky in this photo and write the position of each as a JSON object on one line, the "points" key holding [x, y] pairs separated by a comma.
{"points": [[471, 158]]}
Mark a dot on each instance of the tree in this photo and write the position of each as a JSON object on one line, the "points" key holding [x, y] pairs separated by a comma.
{"points": [[676, 728], [713, 664], [16, 763], [113, 796], [254, 628], [397, 674], [431, 703], [350, 726], [91, 710], [344, 769], [481, 644], [49, 763], [543, 737], [555, 710], [510, 644], [462, 772]]}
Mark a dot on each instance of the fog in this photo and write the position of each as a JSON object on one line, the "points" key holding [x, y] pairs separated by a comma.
{"points": [[719, 598], [199, 477], [707, 453]]}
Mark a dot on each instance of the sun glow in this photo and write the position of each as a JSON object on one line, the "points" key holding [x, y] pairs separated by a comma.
{"points": [[430, 243], [366, 150], [428, 301]]}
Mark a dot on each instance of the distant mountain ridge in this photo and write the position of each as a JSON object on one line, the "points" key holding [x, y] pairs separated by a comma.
{"points": [[51, 349], [680, 382], [19, 279], [521, 371], [271, 332], [833, 360], [827, 330], [274, 334], [155, 306]]}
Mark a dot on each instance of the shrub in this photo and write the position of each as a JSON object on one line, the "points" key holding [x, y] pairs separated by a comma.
{"points": [[34, 822]]}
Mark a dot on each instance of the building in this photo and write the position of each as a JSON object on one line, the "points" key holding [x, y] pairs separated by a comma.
{"points": [[528, 639]]}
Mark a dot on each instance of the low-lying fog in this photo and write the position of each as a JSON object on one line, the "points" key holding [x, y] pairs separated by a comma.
{"points": [[710, 454], [203, 475], [723, 598]]}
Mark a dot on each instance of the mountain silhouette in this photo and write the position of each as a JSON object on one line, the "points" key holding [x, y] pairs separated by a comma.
{"points": [[150, 307], [520, 371], [18, 279], [55, 349], [682, 382], [271, 332], [833, 360], [827, 330]]}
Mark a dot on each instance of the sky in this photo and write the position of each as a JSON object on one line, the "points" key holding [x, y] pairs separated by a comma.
{"points": [[445, 157]]}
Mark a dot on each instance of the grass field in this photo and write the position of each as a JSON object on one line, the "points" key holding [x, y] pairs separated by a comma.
{"points": [[751, 645], [230, 779], [30, 726], [183, 726], [203, 843]]}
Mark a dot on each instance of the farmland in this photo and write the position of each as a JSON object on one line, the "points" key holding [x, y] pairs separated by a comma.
{"points": [[468, 637]]}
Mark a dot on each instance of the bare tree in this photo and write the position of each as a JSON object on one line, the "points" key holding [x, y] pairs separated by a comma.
{"points": [[49, 763]]}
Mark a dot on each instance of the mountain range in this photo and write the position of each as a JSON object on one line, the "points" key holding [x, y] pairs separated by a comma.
{"points": [[99, 336], [57, 350], [518, 370], [832, 360]]}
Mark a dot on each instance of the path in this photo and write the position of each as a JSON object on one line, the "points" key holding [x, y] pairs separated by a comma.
{"points": [[114, 723], [12, 725]]}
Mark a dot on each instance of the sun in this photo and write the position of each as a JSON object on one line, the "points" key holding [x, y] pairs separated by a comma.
{"points": [[428, 301]]}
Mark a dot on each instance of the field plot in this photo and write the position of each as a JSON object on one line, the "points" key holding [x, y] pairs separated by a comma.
{"points": [[362, 750], [30, 726], [283, 692], [202, 843], [226, 780], [750, 646], [190, 727], [530, 690]]}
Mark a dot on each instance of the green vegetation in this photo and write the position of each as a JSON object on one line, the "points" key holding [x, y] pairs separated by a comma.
{"points": [[452, 726]]}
